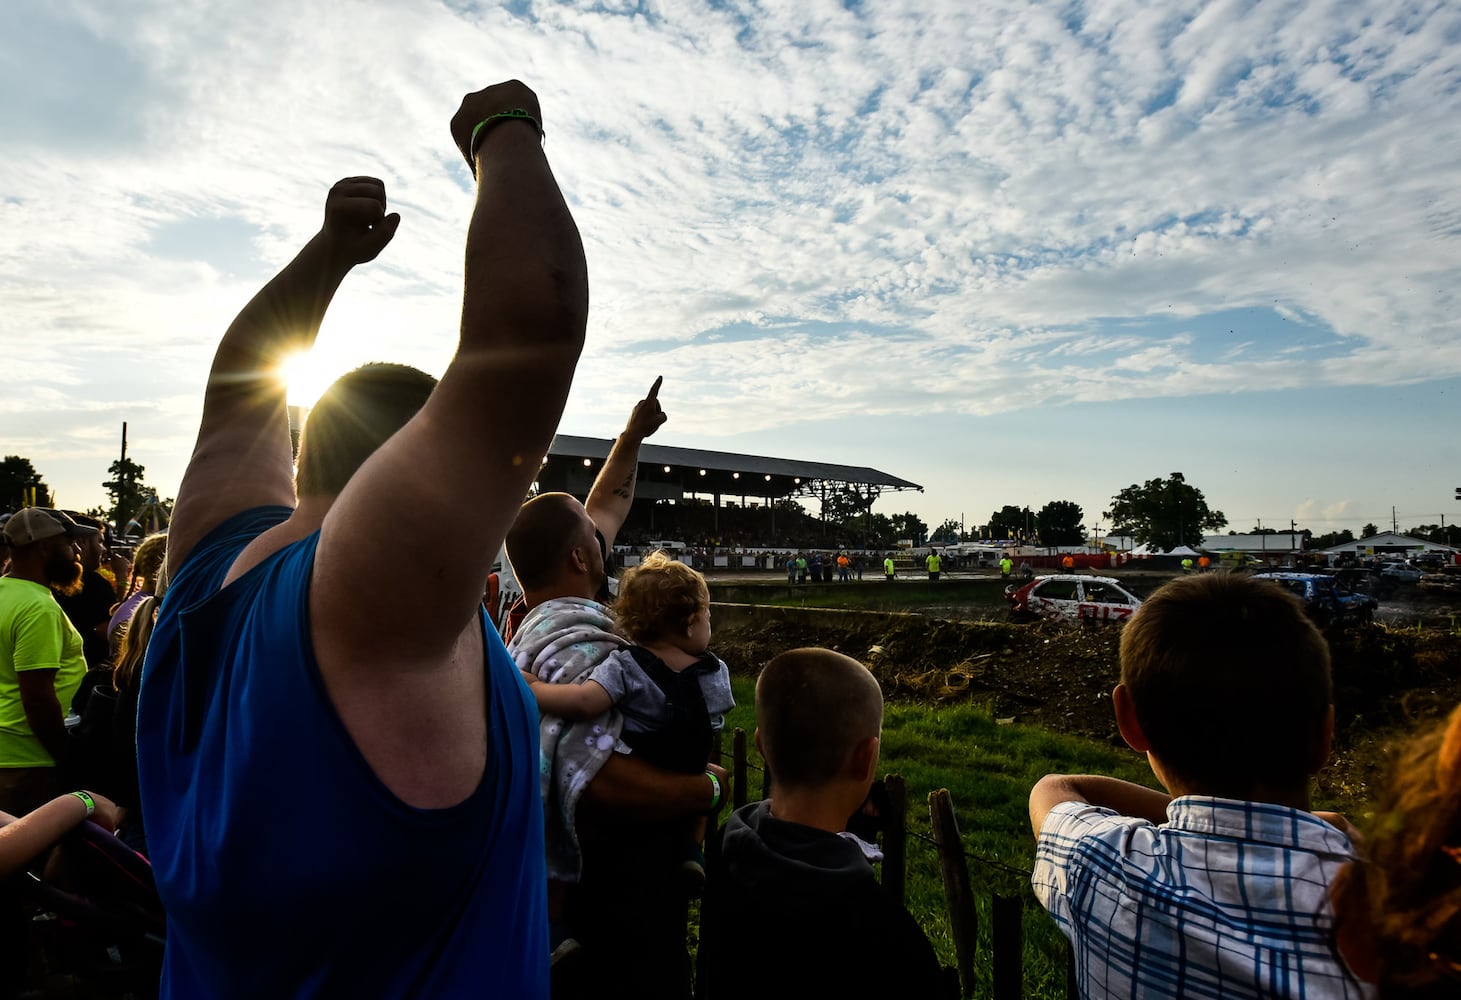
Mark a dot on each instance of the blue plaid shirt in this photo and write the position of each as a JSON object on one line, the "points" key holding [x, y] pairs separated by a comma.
{"points": [[1225, 899]]}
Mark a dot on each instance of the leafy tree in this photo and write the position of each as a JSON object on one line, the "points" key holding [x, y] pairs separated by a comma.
{"points": [[17, 479], [845, 506], [1059, 523], [946, 532], [1369, 531], [1165, 513], [1449, 535], [909, 525], [1329, 539], [126, 488], [1011, 522], [880, 532]]}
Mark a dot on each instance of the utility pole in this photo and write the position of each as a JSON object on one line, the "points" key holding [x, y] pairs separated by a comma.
{"points": [[122, 467], [1394, 524]]}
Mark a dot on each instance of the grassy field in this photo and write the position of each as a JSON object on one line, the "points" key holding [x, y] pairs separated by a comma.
{"points": [[988, 769]]}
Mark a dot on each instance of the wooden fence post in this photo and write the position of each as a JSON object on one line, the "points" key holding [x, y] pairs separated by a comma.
{"points": [[963, 921], [739, 791], [895, 839], [1007, 944]]}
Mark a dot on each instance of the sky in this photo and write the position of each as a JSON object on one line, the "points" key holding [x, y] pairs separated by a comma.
{"points": [[1013, 251]]}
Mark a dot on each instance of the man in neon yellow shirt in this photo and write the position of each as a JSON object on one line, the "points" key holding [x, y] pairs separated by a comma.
{"points": [[934, 563], [41, 659]]}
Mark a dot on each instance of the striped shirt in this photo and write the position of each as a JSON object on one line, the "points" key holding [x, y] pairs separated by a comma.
{"points": [[1225, 899]]}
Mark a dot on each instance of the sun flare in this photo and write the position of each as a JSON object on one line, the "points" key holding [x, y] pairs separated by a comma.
{"points": [[306, 375]]}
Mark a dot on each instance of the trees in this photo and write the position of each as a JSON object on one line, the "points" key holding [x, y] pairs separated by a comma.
{"points": [[946, 532], [126, 488], [21, 485], [844, 506], [1449, 535], [1369, 531], [1165, 513], [1059, 523], [1011, 522], [909, 525], [1329, 539]]}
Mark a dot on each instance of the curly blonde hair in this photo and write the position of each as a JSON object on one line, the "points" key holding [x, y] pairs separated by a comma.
{"points": [[147, 563], [658, 598], [1413, 875]]}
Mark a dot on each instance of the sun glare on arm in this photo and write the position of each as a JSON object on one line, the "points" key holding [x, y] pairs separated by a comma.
{"points": [[306, 376]]}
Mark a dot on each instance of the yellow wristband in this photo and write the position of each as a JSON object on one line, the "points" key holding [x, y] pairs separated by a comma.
{"points": [[87, 801]]}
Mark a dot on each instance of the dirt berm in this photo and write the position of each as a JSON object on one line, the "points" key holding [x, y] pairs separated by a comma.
{"points": [[1387, 680]]}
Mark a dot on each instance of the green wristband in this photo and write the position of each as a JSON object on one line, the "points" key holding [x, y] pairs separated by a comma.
{"points": [[715, 791], [479, 131], [90, 802]]}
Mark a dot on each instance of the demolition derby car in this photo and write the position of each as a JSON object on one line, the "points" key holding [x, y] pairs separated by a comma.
{"points": [[1073, 598], [1324, 598]]}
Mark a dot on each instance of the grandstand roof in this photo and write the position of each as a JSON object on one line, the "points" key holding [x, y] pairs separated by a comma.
{"points": [[724, 472]]}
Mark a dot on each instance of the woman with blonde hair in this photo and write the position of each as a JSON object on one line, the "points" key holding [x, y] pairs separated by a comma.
{"points": [[147, 566]]}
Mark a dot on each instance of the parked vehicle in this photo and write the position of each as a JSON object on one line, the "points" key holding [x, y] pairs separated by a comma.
{"points": [[1324, 598], [1400, 572], [1070, 597], [1363, 581]]}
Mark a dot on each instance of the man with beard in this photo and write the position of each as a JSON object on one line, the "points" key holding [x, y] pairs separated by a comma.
{"points": [[90, 606], [41, 659]]}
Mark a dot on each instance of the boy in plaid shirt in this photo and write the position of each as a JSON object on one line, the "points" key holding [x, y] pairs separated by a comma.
{"points": [[1220, 888]]}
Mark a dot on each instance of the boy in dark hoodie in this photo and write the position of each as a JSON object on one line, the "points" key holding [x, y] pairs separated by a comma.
{"points": [[788, 888]]}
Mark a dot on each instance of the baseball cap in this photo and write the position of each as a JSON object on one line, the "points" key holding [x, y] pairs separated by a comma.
{"points": [[36, 524]]}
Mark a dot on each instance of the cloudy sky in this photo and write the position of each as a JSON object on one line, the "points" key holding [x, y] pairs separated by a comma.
{"points": [[1013, 251]]}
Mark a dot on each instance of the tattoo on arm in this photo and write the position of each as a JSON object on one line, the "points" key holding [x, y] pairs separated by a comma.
{"points": [[626, 489]]}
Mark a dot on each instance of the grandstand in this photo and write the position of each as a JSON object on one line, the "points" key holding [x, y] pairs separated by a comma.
{"points": [[715, 497]]}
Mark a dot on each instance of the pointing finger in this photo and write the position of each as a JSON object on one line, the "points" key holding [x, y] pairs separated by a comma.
{"points": [[654, 389]]}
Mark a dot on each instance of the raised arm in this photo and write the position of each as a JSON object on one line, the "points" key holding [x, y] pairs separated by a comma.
{"points": [[1123, 797], [434, 503], [243, 458], [613, 490]]}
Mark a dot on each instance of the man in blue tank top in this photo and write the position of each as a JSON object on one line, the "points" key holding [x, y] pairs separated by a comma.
{"points": [[340, 778]]}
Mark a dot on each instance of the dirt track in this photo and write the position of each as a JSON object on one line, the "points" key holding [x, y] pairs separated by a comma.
{"points": [[1388, 680]]}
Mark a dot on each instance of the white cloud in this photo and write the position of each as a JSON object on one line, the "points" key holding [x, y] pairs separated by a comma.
{"points": [[975, 196]]}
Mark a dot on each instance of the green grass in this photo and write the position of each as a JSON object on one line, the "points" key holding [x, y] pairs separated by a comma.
{"points": [[989, 770]]}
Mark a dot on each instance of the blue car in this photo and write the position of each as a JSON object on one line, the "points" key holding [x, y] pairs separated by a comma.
{"points": [[1326, 601]]}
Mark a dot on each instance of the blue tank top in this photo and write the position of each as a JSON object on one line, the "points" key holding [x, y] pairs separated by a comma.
{"points": [[287, 868]]}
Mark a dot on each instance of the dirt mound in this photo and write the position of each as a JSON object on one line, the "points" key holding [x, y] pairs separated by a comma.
{"points": [[1387, 680]]}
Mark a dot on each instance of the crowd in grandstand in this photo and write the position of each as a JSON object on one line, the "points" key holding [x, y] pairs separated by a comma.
{"points": [[373, 772]]}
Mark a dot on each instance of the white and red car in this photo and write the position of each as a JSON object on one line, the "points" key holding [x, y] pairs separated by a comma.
{"points": [[1072, 598]]}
